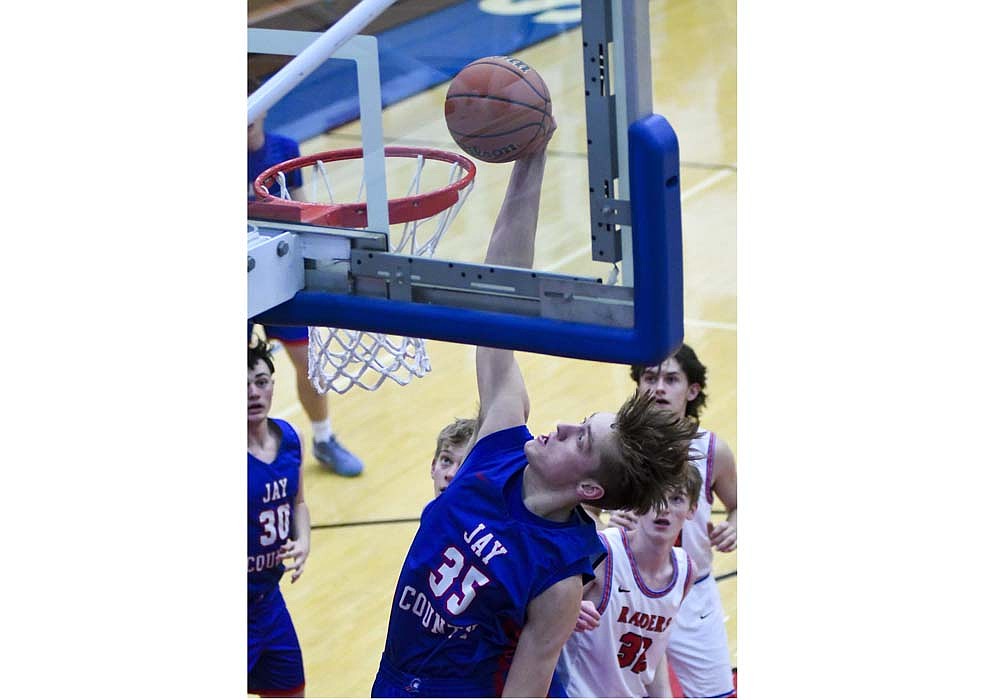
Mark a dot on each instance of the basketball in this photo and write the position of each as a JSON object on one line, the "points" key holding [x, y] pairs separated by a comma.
{"points": [[498, 109]]}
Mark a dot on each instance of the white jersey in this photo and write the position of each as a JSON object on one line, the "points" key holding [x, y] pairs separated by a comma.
{"points": [[619, 657], [694, 536]]}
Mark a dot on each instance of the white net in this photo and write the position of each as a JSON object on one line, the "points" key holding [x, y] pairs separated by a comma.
{"points": [[340, 359]]}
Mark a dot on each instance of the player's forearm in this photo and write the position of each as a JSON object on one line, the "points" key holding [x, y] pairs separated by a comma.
{"points": [[659, 687], [529, 677], [513, 240], [301, 524]]}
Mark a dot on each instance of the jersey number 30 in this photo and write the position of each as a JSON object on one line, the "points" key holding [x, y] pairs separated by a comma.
{"points": [[276, 524], [451, 568]]}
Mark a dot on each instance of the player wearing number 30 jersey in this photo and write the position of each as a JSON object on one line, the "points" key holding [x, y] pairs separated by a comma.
{"points": [[277, 529]]}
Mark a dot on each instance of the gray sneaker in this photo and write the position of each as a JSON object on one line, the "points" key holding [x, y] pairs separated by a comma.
{"points": [[333, 455]]}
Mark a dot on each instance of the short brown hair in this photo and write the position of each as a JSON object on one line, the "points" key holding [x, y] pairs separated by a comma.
{"points": [[456, 433], [651, 457]]}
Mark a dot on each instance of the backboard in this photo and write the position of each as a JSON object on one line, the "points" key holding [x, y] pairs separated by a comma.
{"points": [[628, 170]]}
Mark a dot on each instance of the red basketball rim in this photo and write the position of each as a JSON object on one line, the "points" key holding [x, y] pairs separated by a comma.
{"points": [[355, 214]]}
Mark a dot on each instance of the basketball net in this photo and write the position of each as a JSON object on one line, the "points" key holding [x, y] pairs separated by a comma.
{"points": [[341, 358]]}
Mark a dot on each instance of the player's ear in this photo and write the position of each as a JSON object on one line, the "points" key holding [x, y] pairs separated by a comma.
{"points": [[691, 511], [693, 391], [589, 490]]}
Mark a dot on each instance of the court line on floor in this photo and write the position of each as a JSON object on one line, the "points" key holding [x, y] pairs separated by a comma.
{"points": [[355, 139], [395, 521], [705, 184], [718, 325]]}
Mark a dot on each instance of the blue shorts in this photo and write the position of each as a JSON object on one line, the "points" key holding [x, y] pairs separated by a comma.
{"points": [[391, 683], [289, 335], [274, 657]]}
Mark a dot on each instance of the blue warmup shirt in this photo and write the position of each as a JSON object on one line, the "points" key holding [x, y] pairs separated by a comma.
{"points": [[276, 149], [477, 560]]}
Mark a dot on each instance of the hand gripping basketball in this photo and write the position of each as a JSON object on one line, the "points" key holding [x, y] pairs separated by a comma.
{"points": [[498, 109]]}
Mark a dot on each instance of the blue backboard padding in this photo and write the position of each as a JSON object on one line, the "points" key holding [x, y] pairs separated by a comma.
{"points": [[655, 194], [654, 174], [412, 57]]}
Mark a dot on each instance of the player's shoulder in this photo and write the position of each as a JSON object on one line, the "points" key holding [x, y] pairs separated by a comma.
{"points": [[500, 441], [290, 438], [723, 452]]}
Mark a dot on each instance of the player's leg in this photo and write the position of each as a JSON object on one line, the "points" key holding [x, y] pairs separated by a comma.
{"points": [[698, 650], [326, 448], [276, 669]]}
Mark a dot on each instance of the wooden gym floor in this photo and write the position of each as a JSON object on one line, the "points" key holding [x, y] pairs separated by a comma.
{"points": [[340, 604]]}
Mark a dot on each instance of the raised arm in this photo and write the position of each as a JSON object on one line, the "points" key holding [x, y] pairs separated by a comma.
{"points": [[503, 398]]}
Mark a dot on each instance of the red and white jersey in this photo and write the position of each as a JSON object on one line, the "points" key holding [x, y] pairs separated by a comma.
{"points": [[694, 536], [619, 658]]}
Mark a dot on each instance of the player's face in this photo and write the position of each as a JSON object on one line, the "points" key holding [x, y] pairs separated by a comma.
{"points": [[664, 525], [669, 385], [572, 451], [443, 468], [260, 388]]}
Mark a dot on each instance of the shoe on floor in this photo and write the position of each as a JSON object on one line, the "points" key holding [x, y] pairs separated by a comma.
{"points": [[336, 457]]}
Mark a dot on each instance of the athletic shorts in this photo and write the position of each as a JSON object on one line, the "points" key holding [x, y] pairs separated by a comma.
{"points": [[289, 335], [391, 683], [698, 648], [274, 657]]}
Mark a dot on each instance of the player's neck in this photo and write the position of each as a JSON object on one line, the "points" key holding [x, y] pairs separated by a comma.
{"points": [[541, 500], [259, 435], [652, 558]]}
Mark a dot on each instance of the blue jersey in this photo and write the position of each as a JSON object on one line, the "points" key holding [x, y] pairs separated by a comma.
{"points": [[477, 560], [276, 149], [271, 490]]}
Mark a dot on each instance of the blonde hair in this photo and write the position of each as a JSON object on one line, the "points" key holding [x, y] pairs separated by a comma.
{"points": [[456, 434]]}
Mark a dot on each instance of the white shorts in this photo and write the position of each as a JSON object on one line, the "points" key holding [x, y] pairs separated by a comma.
{"points": [[698, 649]]}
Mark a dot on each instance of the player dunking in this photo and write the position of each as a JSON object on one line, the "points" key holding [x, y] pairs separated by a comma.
{"points": [[491, 586], [618, 649], [278, 528]]}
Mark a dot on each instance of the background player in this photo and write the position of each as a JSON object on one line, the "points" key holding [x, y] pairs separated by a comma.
{"points": [[453, 444], [491, 586], [619, 646], [278, 529], [698, 650], [265, 149]]}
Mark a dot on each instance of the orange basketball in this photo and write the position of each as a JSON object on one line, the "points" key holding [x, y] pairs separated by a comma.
{"points": [[498, 109]]}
